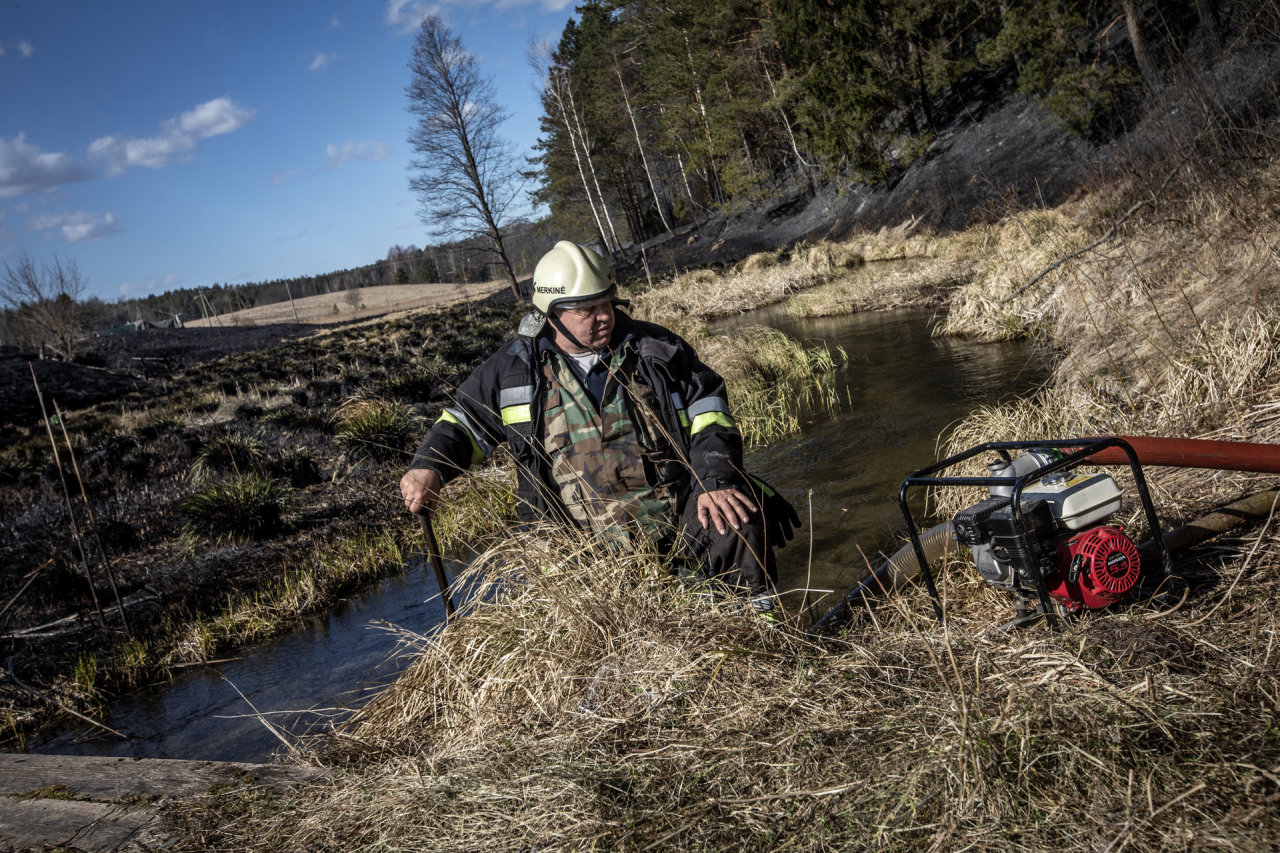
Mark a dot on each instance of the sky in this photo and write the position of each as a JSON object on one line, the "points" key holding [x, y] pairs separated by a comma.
{"points": [[160, 145]]}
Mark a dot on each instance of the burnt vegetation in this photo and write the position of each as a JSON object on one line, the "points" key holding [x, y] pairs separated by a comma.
{"points": [[205, 486]]}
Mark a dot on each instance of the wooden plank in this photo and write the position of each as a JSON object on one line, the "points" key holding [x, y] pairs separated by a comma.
{"points": [[71, 824], [109, 778], [95, 803]]}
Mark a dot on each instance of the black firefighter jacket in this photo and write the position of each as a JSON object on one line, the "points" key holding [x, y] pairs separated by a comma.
{"points": [[502, 401]]}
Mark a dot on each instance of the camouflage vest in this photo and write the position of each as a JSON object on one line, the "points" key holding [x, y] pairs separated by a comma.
{"points": [[607, 461]]}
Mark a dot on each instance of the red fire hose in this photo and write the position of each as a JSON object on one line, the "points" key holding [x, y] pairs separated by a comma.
{"points": [[1195, 453]]}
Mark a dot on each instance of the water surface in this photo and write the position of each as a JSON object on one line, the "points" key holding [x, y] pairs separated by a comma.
{"points": [[901, 389]]}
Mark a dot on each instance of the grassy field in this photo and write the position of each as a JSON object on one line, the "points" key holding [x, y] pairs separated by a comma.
{"points": [[357, 304]]}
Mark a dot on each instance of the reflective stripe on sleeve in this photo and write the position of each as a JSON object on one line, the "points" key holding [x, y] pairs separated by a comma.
{"points": [[712, 411], [515, 396], [512, 415], [707, 419], [681, 414], [516, 405], [480, 449]]}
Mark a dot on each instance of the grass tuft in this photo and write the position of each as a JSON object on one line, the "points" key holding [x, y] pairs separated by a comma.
{"points": [[772, 379], [376, 428], [229, 453], [244, 506]]}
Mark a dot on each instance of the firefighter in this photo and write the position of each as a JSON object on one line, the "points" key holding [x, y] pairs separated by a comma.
{"points": [[617, 428]]}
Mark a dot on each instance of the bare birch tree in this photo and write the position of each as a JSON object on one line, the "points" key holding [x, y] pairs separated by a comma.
{"points": [[555, 83], [466, 176], [44, 300]]}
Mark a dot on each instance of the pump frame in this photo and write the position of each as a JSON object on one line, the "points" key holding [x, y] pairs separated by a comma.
{"points": [[1074, 452]]}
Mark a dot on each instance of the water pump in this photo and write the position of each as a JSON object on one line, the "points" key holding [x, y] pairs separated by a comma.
{"points": [[1046, 532], [1063, 539]]}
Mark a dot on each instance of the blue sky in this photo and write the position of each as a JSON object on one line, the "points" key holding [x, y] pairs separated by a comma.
{"points": [[161, 144]]}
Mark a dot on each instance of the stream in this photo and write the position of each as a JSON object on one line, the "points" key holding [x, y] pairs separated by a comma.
{"points": [[900, 390]]}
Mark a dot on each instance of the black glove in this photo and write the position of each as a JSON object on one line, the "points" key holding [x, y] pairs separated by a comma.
{"points": [[780, 517]]}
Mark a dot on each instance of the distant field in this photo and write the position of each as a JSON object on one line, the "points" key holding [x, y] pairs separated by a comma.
{"points": [[354, 304]]}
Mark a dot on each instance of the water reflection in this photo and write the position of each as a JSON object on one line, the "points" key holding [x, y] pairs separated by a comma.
{"points": [[296, 682]]}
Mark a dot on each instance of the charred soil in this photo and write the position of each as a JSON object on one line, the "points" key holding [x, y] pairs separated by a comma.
{"points": [[214, 465]]}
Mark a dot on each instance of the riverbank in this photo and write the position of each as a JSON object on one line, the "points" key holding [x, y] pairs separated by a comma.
{"points": [[596, 706], [226, 496]]}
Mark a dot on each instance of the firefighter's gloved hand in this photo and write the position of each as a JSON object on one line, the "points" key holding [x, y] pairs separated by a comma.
{"points": [[781, 518]]}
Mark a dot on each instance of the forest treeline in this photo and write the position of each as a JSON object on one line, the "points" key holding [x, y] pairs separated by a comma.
{"points": [[655, 112], [461, 262], [45, 307]]}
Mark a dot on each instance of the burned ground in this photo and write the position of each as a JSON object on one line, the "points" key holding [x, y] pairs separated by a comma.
{"points": [[163, 420]]}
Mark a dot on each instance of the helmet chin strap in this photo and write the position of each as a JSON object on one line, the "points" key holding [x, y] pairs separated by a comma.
{"points": [[554, 319]]}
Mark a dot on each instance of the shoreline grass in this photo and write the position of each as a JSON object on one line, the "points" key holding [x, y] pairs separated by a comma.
{"points": [[591, 703]]}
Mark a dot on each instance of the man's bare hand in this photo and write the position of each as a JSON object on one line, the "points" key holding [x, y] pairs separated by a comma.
{"points": [[420, 489], [724, 508]]}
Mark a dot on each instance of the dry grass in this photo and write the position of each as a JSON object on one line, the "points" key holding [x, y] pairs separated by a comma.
{"points": [[586, 701], [772, 379], [1002, 257], [689, 301]]}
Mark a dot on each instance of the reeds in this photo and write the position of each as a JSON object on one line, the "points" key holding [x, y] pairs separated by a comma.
{"points": [[772, 380], [587, 700]]}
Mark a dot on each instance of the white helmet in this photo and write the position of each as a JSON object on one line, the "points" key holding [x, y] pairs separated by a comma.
{"points": [[571, 273]]}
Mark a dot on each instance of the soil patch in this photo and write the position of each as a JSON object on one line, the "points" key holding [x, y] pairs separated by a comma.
{"points": [[112, 367]]}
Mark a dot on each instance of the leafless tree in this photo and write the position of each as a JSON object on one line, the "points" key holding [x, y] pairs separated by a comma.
{"points": [[44, 300], [466, 176]]}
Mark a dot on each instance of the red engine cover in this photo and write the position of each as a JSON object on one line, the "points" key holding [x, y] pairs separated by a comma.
{"points": [[1094, 568]]}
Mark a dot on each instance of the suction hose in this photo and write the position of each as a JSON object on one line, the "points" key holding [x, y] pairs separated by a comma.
{"points": [[894, 573], [1195, 453]]}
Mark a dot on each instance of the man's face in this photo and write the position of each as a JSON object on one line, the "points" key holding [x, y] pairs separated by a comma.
{"points": [[590, 322]]}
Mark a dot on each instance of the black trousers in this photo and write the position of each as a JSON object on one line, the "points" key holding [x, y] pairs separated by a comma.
{"points": [[741, 557]]}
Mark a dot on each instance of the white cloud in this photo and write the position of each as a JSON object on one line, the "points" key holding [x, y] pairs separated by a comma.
{"points": [[340, 155], [334, 23], [79, 227], [406, 15], [214, 118], [178, 136], [25, 168], [284, 176], [149, 285], [121, 154], [25, 48], [322, 61]]}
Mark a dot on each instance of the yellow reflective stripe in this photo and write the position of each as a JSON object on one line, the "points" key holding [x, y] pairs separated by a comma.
{"points": [[684, 418], [707, 419], [517, 414], [477, 455]]}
